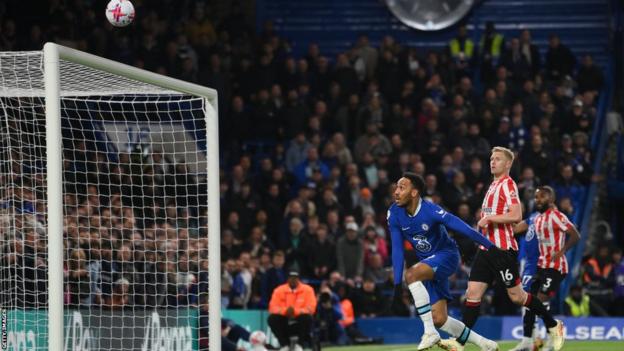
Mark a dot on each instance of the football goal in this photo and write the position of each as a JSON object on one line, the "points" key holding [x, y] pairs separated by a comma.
{"points": [[109, 206]]}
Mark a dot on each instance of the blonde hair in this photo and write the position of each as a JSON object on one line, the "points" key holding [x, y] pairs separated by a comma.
{"points": [[508, 153]]}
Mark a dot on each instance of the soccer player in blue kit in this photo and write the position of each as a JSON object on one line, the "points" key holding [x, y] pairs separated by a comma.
{"points": [[424, 224], [528, 254], [528, 250]]}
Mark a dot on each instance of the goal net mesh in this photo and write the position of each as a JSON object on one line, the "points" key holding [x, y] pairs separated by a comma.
{"points": [[135, 210]]}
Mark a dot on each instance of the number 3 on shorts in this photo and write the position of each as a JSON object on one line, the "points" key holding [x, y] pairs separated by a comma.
{"points": [[547, 284], [506, 275]]}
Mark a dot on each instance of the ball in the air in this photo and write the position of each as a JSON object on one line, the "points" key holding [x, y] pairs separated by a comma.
{"points": [[120, 13]]}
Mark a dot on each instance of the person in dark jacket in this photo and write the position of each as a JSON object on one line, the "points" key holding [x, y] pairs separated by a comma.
{"points": [[321, 254], [274, 277], [369, 302], [589, 77], [560, 61]]}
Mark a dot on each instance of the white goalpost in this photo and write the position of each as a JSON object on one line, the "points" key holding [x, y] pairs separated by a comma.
{"points": [[109, 206]]}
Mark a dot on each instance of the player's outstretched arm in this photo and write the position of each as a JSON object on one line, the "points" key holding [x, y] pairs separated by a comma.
{"points": [[455, 224]]}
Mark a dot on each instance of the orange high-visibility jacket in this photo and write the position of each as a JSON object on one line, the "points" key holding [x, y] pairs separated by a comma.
{"points": [[301, 299], [348, 317]]}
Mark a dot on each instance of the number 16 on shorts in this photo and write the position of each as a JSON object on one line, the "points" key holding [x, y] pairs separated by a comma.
{"points": [[506, 276]]}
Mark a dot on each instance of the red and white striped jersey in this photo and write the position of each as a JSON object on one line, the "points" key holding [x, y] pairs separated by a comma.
{"points": [[551, 227], [498, 200]]}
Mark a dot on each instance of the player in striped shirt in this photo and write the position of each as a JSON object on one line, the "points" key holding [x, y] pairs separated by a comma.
{"points": [[551, 227], [501, 209]]}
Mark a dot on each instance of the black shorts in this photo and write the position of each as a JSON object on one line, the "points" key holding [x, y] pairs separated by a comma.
{"points": [[483, 269], [547, 281]]}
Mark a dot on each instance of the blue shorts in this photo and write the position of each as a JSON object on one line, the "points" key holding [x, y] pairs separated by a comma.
{"points": [[444, 264], [528, 272]]}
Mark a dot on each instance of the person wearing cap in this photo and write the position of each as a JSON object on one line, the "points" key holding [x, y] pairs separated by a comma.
{"points": [[574, 117], [291, 309], [350, 253]]}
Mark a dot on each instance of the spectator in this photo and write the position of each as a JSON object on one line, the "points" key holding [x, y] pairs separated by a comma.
{"points": [[257, 243], [560, 61], [530, 52], [589, 77], [491, 46], [307, 171], [567, 186], [477, 145], [461, 49], [120, 296], [373, 142], [596, 274], [77, 279], [517, 62], [328, 315], [580, 304], [291, 311], [234, 287], [539, 159], [375, 270], [350, 253], [292, 244], [618, 280], [374, 243], [274, 277], [229, 247], [321, 254], [369, 301], [503, 134]]}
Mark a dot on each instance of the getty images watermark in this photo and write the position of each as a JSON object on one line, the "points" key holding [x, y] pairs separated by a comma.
{"points": [[4, 329]]}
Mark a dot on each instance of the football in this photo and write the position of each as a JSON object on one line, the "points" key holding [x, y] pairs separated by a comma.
{"points": [[257, 338], [120, 13]]}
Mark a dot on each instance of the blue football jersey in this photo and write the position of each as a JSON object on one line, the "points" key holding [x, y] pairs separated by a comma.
{"points": [[426, 232], [528, 248]]}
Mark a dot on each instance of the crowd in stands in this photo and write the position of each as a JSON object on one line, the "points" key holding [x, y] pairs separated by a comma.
{"points": [[311, 147]]}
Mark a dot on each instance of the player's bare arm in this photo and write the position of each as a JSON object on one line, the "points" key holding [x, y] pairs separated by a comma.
{"points": [[520, 227], [513, 216], [574, 237]]}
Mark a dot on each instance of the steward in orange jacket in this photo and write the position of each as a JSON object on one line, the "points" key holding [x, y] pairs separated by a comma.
{"points": [[291, 311]]}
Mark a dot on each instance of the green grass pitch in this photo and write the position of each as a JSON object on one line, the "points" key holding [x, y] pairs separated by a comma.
{"points": [[504, 345]]}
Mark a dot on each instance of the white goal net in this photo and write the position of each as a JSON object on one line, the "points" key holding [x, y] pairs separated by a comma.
{"points": [[136, 255]]}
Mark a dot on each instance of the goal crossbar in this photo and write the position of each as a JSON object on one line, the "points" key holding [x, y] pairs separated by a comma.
{"points": [[52, 56]]}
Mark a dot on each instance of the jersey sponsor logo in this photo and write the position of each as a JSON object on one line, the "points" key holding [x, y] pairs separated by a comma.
{"points": [[486, 210], [422, 244], [404, 228], [424, 226]]}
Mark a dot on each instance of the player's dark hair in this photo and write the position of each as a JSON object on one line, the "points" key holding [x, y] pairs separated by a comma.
{"points": [[417, 181], [549, 190]]}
